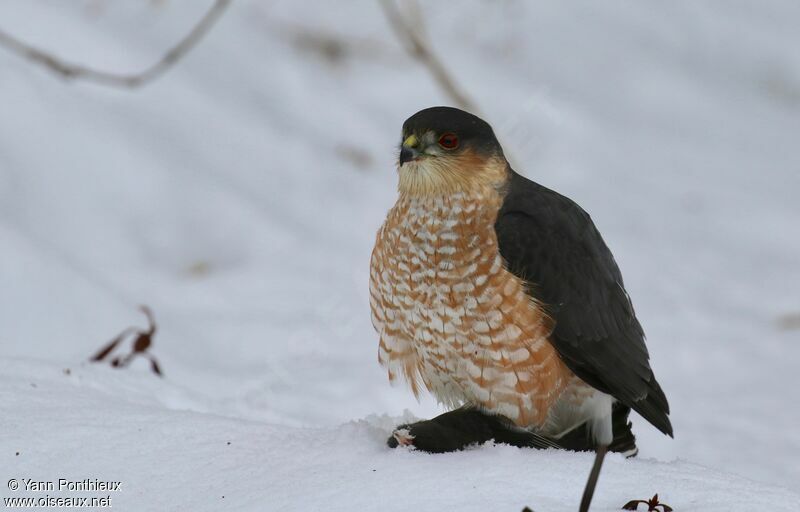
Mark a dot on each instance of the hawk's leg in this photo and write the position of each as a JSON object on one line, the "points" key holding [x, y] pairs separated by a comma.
{"points": [[455, 430], [602, 430], [624, 442], [591, 483]]}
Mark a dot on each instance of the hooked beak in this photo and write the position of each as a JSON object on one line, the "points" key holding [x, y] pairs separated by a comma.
{"points": [[408, 154], [408, 151]]}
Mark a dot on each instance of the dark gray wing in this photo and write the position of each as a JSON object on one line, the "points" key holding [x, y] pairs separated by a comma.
{"points": [[550, 242]]}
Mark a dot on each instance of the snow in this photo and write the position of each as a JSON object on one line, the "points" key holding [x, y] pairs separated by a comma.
{"points": [[202, 461], [238, 197]]}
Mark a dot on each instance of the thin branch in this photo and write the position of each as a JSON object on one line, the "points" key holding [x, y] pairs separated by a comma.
{"points": [[126, 80], [411, 36]]}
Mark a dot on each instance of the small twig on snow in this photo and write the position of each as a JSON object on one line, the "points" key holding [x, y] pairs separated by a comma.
{"points": [[142, 342], [653, 505]]}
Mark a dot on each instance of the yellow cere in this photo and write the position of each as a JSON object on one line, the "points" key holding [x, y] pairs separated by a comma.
{"points": [[410, 141]]}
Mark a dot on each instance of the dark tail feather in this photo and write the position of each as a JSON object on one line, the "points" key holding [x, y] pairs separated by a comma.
{"points": [[579, 439], [654, 408]]}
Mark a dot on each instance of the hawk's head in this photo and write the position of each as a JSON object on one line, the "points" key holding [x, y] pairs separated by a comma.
{"points": [[447, 150]]}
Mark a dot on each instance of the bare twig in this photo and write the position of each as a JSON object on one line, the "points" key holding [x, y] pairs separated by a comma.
{"points": [[410, 33], [72, 71], [141, 343], [653, 505]]}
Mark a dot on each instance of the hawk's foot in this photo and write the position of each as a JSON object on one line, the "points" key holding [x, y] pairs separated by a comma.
{"points": [[400, 437]]}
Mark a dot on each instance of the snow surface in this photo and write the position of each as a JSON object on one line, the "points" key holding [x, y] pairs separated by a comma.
{"points": [[238, 197]]}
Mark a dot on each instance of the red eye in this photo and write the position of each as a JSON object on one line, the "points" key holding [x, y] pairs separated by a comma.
{"points": [[449, 141]]}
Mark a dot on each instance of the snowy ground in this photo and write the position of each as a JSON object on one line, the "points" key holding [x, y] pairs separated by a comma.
{"points": [[238, 197]]}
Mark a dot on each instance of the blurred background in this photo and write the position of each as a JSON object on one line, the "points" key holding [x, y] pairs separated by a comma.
{"points": [[238, 194]]}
